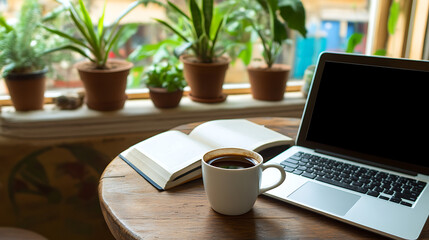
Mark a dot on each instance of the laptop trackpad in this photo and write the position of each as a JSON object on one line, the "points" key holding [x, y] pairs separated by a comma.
{"points": [[324, 198]]}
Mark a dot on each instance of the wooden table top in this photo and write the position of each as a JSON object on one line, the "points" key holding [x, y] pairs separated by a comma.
{"points": [[134, 209]]}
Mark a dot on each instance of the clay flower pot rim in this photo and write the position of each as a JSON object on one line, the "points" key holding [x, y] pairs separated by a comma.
{"points": [[23, 76], [222, 60], [105, 89], [275, 67], [161, 89], [80, 66], [161, 98]]}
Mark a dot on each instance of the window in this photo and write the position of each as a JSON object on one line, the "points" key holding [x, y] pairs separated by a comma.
{"points": [[330, 24]]}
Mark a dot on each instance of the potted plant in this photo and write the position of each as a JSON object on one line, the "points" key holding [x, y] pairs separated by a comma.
{"points": [[21, 58], [104, 79], [164, 78], [204, 68], [165, 82], [271, 20]]}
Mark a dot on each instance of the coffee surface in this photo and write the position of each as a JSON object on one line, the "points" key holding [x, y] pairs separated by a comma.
{"points": [[232, 162]]}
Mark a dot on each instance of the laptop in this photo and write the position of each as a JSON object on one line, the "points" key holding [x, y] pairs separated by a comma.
{"points": [[361, 151]]}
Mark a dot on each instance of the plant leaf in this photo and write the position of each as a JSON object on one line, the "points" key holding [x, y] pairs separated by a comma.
{"points": [[5, 25], [393, 17], [196, 18], [72, 48], [380, 52], [216, 36], [177, 32], [218, 16], [182, 48], [115, 25], [165, 47], [109, 46], [177, 9], [136, 74], [353, 41], [54, 13], [161, 54], [126, 11], [207, 7], [90, 27], [272, 6], [100, 26], [263, 4], [65, 35], [279, 33], [80, 25], [293, 13], [246, 53], [128, 31], [264, 40], [130, 7], [143, 51]]}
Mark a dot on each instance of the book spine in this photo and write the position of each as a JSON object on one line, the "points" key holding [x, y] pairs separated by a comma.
{"points": [[141, 173]]}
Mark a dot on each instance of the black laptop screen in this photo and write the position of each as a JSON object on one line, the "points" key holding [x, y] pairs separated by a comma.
{"points": [[373, 112]]}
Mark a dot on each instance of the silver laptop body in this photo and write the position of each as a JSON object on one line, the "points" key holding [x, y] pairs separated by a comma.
{"points": [[360, 154]]}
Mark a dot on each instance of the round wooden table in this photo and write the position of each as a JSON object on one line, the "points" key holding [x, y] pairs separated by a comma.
{"points": [[12, 233], [134, 209]]}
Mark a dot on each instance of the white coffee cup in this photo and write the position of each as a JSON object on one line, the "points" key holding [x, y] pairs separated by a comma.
{"points": [[234, 191]]}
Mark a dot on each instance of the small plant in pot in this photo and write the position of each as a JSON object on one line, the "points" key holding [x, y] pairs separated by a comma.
{"points": [[271, 19], [204, 68], [104, 79], [165, 82], [164, 78], [22, 58]]}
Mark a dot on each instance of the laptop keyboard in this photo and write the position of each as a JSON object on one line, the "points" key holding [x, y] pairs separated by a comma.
{"points": [[379, 184]]}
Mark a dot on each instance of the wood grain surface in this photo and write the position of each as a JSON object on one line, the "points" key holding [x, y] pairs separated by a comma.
{"points": [[134, 209]]}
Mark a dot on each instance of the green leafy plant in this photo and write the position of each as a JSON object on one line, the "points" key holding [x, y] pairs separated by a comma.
{"points": [[165, 75], [273, 33], [270, 19], [200, 30], [238, 37], [21, 51], [94, 42], [155, 53]]}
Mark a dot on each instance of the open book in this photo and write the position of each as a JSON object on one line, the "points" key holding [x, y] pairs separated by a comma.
{"points": [[172, 157]]}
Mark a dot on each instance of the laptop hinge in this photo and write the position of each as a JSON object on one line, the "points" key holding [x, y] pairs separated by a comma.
{"points": [[412, 173]]}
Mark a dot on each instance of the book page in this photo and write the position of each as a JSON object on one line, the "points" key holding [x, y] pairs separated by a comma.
{"points": [[172, 150], [239, 133]]}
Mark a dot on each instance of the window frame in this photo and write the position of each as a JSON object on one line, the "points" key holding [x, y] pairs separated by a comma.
{"points": [[377, 34]]}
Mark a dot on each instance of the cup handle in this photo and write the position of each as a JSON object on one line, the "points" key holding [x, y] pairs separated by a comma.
{"points": [[281, 180]]}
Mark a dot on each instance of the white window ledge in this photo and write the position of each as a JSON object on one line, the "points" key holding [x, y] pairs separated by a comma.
{"points": [[138, 116]]}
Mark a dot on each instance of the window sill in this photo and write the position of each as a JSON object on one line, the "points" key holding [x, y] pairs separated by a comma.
{"points": [[138, 116], [143, 93]]}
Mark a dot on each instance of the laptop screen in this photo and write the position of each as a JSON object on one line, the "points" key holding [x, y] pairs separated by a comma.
{"points": [[373, 110]]}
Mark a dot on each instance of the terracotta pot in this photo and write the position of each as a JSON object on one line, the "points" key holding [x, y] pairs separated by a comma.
{"points": [[268, 84], [161, 98], [27, 90], [205, 79], [105, 88]]}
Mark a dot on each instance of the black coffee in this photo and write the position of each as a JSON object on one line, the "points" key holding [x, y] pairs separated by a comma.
{"points": [[232, 162]]}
